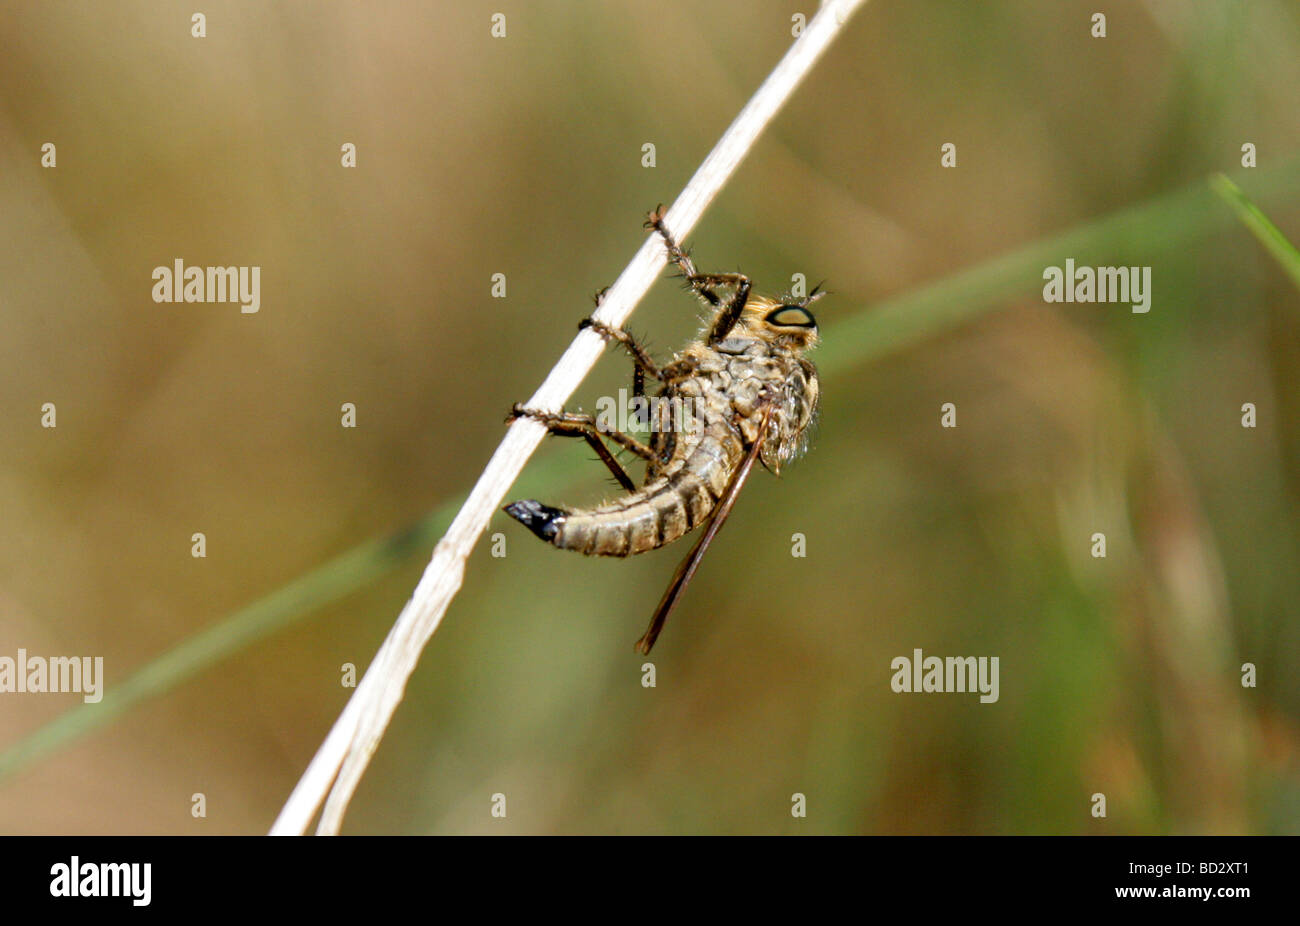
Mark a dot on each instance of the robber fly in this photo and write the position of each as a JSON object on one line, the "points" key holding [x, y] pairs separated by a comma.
{"points": [[743, 392]]}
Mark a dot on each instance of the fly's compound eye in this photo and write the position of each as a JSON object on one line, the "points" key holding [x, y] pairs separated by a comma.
{"points": [[791, 316]]}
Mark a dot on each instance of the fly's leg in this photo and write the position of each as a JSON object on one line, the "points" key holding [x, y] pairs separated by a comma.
{"points": [[567, 424], [643, 363], [675, 253], [705, 285], [570, 424], [730, 311]]}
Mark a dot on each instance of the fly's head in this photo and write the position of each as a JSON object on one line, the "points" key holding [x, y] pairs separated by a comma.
{"points": [[785, 326]]}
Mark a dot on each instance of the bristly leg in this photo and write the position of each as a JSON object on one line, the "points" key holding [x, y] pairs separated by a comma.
{"points": [[643, 364], [704, 285], [568, 424]]}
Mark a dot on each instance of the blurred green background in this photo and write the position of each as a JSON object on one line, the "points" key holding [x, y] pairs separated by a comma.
{"points": [[522, 155]]}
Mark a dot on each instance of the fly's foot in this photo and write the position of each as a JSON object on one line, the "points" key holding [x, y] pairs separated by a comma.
{"points": [[655, 221], [608, 332], [675, 254], [519, 410], [645, 364]]}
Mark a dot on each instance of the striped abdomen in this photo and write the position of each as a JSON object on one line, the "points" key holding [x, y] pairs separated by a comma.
{"points": [[659, 513]]}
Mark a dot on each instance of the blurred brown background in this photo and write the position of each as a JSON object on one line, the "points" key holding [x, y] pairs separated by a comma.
{"points": [[522, 155]]}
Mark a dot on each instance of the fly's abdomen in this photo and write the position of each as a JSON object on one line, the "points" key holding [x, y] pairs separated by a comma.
{"points": [[660, 513], [646, 520]]}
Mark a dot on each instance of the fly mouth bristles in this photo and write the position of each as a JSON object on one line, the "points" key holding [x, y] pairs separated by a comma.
{"points": [[542, 520]]}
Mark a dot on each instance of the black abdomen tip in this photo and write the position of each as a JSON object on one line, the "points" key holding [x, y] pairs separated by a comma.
{"points": [[542, 520]]}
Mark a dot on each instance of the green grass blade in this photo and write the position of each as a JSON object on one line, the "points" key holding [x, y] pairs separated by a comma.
{"points": [[1283, 251]]}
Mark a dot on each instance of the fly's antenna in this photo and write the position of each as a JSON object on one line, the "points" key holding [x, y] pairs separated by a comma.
{"points": [[817, 293], [788, 298]]}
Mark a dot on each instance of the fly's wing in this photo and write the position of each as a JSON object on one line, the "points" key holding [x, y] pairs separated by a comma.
{"points": [[719, 516]]}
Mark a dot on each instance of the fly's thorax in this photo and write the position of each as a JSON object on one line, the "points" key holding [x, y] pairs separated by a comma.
{"points": [[745, 373]]}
